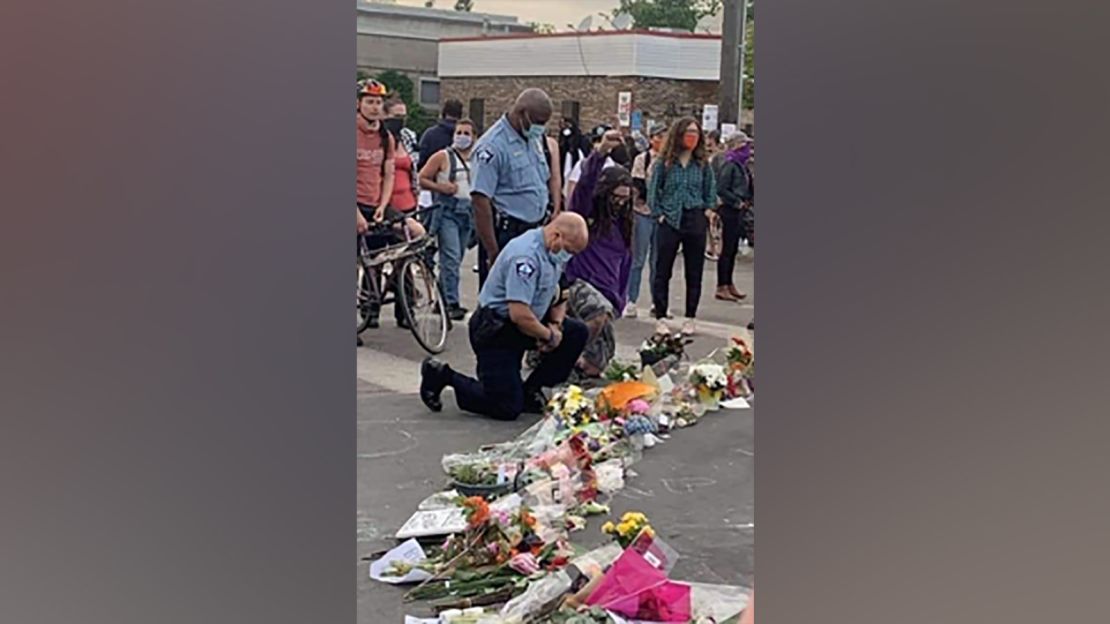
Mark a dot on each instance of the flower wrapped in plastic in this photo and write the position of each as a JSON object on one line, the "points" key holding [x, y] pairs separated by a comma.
{"points": [[709, 380]]}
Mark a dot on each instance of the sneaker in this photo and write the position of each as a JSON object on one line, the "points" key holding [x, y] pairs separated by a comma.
{"points": [[475, 269], [662, 328], [456, 313], [373, 323], [403, 323], [630, 311], [433, 379], [688, 328]]}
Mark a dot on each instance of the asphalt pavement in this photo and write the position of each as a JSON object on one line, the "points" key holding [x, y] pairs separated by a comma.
{"points": [[697, 488]]}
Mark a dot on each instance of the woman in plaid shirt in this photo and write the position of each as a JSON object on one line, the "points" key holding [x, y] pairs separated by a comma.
{"points": [[681, 194]]}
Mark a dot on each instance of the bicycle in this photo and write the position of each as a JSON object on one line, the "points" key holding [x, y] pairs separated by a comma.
{"points": [[409, 282]]}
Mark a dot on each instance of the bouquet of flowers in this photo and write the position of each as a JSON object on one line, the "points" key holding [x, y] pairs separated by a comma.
{"points": [[741, 368], [632, 524], [663, 346], [572, 408], [622, 371], [709, 381], [496, 550]]}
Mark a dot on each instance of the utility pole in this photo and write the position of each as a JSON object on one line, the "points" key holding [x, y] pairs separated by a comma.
{"points": [[731, 41], [743, 46]]}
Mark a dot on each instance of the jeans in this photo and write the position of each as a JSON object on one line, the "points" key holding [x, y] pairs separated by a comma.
{"points": [[691, 238], [643, 250], [454, 226], [498, 392], [730, 235]]}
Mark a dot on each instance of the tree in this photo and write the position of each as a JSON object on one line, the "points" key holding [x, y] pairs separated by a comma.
{"points": [[429, 4], [543, 29], [682, 14], [464, 5]]}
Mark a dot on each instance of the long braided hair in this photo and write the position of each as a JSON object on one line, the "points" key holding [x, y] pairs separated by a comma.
{"points": [[605, 214]]}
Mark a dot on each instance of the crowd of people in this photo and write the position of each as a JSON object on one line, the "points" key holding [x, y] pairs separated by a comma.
{"points": [[564, 226]]}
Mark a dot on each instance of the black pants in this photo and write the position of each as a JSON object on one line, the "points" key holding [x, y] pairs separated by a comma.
{"points": [[732, 229], [379, 239], [505, 229], [498, 392], [691, 238]]}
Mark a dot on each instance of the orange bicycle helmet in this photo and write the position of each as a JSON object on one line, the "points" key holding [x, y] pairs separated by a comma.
{"points": [[372, 87]]}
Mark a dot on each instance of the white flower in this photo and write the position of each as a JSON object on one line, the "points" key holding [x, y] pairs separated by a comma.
{"points": [[713, 376]]}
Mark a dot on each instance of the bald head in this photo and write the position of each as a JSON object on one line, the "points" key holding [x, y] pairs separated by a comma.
{"points": [[535, 103], [567, 231]]}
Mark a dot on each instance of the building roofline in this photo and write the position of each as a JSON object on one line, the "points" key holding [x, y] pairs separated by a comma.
{"points": [[439, 14], [596, 33]]}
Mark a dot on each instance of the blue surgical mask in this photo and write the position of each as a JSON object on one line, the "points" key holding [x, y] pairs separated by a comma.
{"points": [[463, 141], [561, 257], [535, 131]]}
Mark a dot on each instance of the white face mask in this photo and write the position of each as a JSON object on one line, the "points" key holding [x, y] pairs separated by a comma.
{"points": [[463, 141]]}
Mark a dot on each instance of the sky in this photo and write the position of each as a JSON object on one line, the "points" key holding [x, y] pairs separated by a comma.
{"points": [[556, 12]]}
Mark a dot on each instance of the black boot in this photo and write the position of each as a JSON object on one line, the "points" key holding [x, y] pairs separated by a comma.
{"points": [[433, 379]]}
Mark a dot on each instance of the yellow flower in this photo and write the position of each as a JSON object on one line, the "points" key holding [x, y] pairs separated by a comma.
{"points": [[625, 528], [607, 527], [650, 532]]}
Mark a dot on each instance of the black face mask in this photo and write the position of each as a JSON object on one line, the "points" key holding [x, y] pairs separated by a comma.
{"points": [[394, 125]]}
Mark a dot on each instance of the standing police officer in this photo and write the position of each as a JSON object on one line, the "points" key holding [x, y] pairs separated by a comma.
{"points": [[510, 188], [518, 311]]}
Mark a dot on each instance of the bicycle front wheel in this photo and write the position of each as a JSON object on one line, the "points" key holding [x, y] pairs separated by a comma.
{"points": [[418, 293], [364, 299]]}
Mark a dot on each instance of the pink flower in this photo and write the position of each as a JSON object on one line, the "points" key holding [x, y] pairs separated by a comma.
{"points": [[638, 406], [525, 563], [492, 547]]}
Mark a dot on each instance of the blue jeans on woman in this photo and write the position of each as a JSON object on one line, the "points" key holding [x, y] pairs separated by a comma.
{"points": [[643, 250], [454, 225]]}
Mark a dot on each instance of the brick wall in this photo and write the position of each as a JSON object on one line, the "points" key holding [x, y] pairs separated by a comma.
{"points": [[659, 99]]}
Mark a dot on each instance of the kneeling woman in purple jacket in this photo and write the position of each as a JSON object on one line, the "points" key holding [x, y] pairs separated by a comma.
{"points": [[598, 277]]}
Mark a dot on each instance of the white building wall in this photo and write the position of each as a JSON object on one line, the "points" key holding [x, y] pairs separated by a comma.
{"points": [[630, 54]]}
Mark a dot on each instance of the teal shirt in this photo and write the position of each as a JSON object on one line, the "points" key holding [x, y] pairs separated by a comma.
{"points": [[670, 194], [523, 272]]}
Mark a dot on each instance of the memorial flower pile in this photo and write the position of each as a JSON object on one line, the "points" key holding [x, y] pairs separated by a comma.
{"points": [[531, 491]]}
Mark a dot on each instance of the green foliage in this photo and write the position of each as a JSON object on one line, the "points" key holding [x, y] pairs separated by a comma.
{"points": [[464, 5], [543, 29], [682, 14], [418, 119]]}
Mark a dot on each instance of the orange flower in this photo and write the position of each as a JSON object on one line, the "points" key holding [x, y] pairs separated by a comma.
{"points": [[477, 511]]}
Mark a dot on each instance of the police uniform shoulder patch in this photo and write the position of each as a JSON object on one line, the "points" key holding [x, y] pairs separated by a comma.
{"points": [[484, 155], [525, 267]]}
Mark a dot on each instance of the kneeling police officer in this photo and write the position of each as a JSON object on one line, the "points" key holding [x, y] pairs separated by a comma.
{"points": [[520, 308]]}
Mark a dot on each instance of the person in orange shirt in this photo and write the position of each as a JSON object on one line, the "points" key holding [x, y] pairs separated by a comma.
{"points": [[375, 173]]}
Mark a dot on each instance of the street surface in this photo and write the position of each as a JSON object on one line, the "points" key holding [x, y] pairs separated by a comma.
{"points": [[697, 488]]}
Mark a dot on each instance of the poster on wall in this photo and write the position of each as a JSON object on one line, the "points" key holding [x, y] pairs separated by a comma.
{"points": [[624, 108], [709, 117]]}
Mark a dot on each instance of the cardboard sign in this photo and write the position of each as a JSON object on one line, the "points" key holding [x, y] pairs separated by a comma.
{"points": [[709, 117], [624, 108]]}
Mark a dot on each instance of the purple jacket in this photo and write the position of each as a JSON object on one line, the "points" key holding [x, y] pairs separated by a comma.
{"points": [[606, 261]]}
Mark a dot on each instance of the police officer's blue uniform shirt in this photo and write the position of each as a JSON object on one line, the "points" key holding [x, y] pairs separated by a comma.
{"points": [[512, 172], [524, 272]]}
